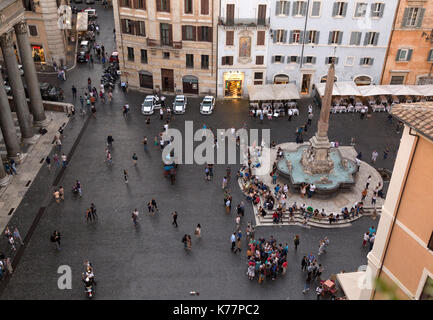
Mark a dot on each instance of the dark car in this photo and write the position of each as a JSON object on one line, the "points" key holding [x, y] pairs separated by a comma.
{"points": [[81, 57]]}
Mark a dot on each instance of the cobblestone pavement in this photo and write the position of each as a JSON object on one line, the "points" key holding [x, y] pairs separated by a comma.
{"points": [[149, 261]]}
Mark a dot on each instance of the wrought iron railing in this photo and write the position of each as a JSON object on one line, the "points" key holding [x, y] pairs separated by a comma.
{"points": [[249, 22]]}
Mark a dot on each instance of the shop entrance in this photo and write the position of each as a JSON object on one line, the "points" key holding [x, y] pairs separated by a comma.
{"points": [[167, 80], [233, 88], [306, 81], [38, 54]]}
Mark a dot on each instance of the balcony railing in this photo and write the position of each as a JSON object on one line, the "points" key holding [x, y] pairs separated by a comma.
{"points": [[248, 22], [160, 43]]}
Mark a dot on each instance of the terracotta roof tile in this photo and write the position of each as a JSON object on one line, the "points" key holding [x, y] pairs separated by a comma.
{"points": [[418, 116]]}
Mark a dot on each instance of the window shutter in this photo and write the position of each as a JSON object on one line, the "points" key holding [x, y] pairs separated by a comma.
{"points": [[158, 5], [376, 38], [282, 59], [123, 23], [340, 37], [405, 17], [301, 37], [372, 6], [360, 61], [295, 8], [136, 27], [313, 61], [326, 60], [278, 8], [358, 39], [335, 9], [223, 61], [317, 37], [170, 34], [382, 9], [397, 57], [183, 32], [420, 18], [371, 61], [304, 8], [353, 37], [336, 60], [204, 7], [344, 9], [298, 59], [210, 34], [409, 54], [291, 36], [367, 36], [287, 8], [430, 55], [168, 5], [199, 35], [285, 36], [273, 59], [194, 33], [274, 38], [260, 38], [229, 38], [330, 37], [316, 8], [357, 10], [304, 60]]}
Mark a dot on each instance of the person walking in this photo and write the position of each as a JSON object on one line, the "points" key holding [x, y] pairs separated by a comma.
{"points": [[185, 241], [174, 216], [48, 162], [238, 245], [385, 153], [154, 206], [228, 205], [145, 144], [228, 173], [368, 182], [93, 210], [135, 216], [74, 92], [109, 158], [304, 263], [197, 231], [366, 238], [88, 215], [64, 160], [224, 183], [56, 195], [188, 242], [17, 236], [56, 237], [233, 241], [371, 240], [56, 159], [9, 267], [374, 156], [125, 175], [134, 159], [12, 242], [296, 241], [319, 291], [62, 193], [363, 194], [307, 283], [238, 222]]}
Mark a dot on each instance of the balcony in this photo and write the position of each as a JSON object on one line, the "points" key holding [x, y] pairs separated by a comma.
{"points": [[161, 44], [244, 22]]}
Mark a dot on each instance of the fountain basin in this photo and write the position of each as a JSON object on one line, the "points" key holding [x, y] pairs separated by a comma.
{"points": [[341, 177]]}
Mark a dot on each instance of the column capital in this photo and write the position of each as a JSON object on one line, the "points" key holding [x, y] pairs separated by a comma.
{"points": [[7, 39], [21, 27]]}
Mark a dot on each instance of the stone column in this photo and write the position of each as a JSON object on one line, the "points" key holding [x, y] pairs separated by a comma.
{"points": [[8, 127], [4, 177], [323, 124], [36, 106], [22, 109]]}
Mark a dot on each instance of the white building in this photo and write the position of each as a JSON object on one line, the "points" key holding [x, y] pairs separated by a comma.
{"points": [[305, 35], [243, 36]]}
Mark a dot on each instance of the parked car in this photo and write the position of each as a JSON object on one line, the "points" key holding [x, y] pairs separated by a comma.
{"points": [[91, 13], [84, 46], [149, 105], [81, 56], [207, 105], [179, 104]]}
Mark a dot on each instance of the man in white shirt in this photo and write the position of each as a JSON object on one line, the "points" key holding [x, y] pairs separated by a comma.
{"points": [[374, 156], [290, 113], [311, 190]]}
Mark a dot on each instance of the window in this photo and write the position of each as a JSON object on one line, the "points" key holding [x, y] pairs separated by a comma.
{"points": [[427, 291], [335, 37], [140, 29], [204, 7], [127, 26], [230, 35], [230, 13], [165, 30], [397, 80], [339, 9], [315, 9], [366, 61], [349, 61], [163, 5], [299, 8], [360, 9], [189, 60], [130, 54], [293, 59], [227, 60], [404, 55], [166, 55], [261, 15], [33, 31], [328, 60], [377, 9], [126, 3], [355, 38], [188, 6], [205, 34], [282, 8], [310, 60], [188, 33], [371, 38], [277, 59], [280, 36], [413, 17], [260, 59], [140, 4], [313, 37], [295, 36], [258, 75], [430, 56], [143, 56], [204, 61], [260, 38]]}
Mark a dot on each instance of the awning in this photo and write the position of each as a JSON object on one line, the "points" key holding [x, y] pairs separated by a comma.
{"points": [[273, 92], [368, 91], [402, 90], [353, 286], [424, 90], [321, 89], [348, 88], [82, 21]]}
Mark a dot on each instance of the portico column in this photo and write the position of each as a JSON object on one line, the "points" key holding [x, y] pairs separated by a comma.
{"points": [[36, 106], [8, 127], [4, 177], [22, 109]]}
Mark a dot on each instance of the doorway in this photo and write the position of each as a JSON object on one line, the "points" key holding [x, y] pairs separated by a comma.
{"points": [[167, 80], [233, 88], [190, 84], [306, 81]]}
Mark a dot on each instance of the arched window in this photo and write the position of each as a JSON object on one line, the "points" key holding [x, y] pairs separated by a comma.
{"points": [[362, 80], [323, 79], [281, 79]]}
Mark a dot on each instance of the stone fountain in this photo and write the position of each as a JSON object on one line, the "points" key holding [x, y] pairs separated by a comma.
{"points": [[317, 162]]}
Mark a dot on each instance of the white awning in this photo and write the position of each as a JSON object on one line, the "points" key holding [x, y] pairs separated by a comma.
{"points": [[352, 285], [402, 90], [347, 88], [368, 91], [424, 90], [82, 21], [321, 89], [273, 92]]}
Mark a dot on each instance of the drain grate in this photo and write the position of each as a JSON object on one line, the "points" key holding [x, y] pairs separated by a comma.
{"points": [[10, 211], [42, 160], [28, 183]]}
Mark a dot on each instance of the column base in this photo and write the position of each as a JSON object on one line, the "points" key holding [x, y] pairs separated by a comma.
{"points": [[31, 140], [40, 124], [19, 158], [5, 181]]}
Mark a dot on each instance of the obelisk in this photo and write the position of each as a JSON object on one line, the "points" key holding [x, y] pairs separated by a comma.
{"points": [[315, 158]]}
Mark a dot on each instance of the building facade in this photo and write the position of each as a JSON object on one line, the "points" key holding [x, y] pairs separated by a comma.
{"points": [[410, 54], [402, 255], [243, 29], [167, 45], [306, 35], [15, 43]]}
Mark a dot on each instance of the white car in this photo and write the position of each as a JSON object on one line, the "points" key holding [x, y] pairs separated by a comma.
{"points": [[207, 105], [149, 105], [179, 104]]}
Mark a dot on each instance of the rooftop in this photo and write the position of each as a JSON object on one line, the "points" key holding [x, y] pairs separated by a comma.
{"points": [[418, 116]]}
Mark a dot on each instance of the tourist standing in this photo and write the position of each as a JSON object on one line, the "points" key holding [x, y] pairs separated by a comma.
{"points": [[296, 241], [135, 216], [174, 216], [17, 236], [374, 156]]}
